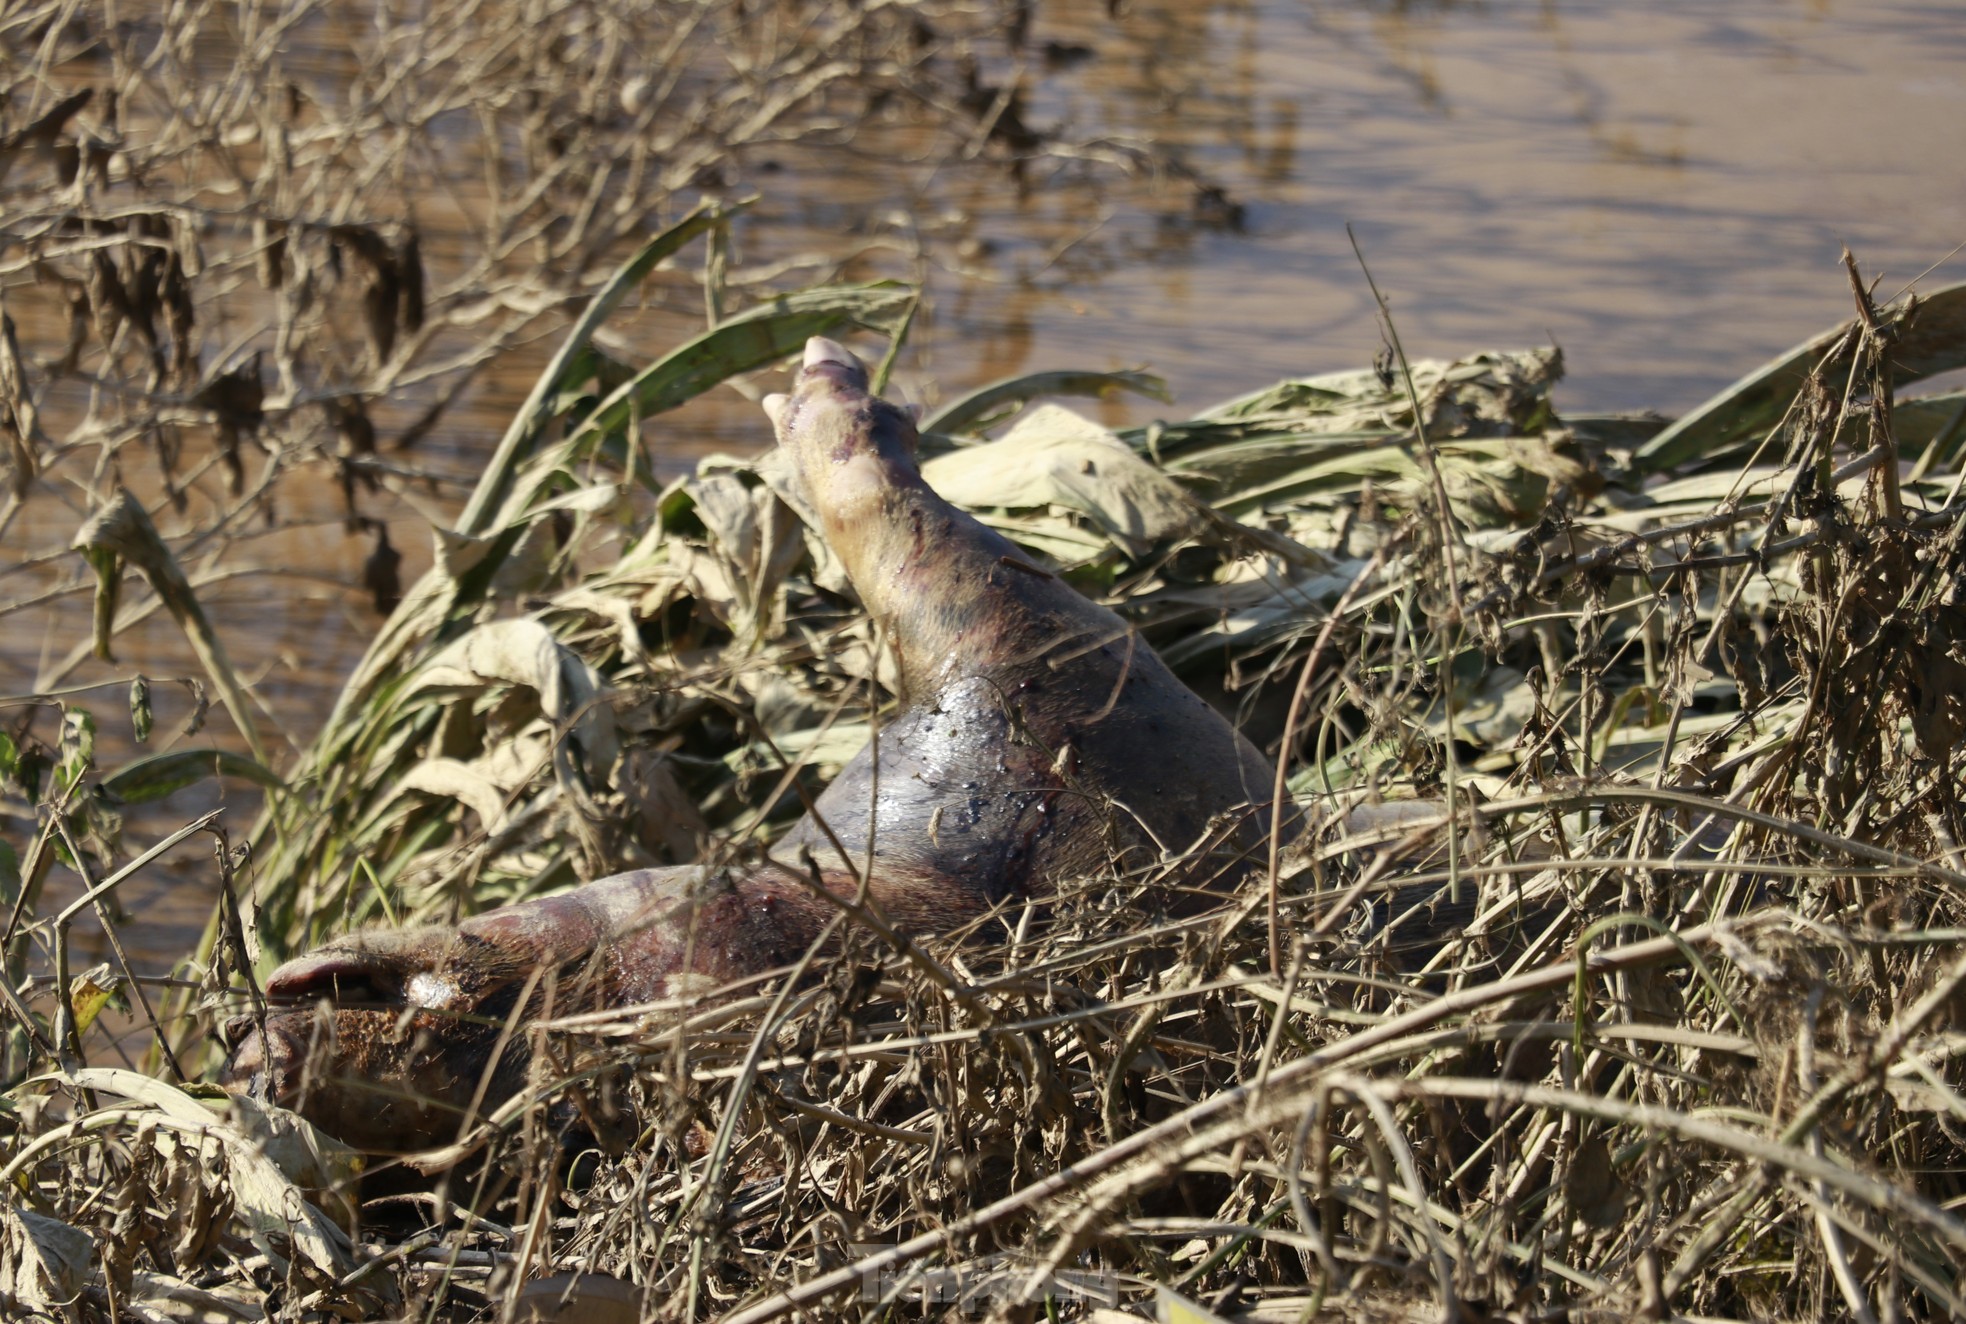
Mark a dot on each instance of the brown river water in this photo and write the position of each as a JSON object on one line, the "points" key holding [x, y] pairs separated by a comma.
{"points": [[1662, 189]]}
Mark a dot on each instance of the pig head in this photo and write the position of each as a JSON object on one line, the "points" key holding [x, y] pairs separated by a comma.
{"points": [[1037, 741]]}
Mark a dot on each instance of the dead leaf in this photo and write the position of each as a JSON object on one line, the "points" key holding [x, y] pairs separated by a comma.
{"points": [[1054, 457]]}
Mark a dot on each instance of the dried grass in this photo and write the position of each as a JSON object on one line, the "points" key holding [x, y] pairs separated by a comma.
{"points": [[1644, 996]]}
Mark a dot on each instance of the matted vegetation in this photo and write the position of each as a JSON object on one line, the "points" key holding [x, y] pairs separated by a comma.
{"points": [[1645, 997]]}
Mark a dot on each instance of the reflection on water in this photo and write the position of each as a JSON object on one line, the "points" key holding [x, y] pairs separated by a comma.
{"points": [[1664, 189]]}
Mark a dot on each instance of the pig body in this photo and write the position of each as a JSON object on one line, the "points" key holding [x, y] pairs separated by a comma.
{"points": [[1038, 741]]}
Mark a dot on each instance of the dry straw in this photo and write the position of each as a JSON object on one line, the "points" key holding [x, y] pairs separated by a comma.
{"points": [[1619, 971]]}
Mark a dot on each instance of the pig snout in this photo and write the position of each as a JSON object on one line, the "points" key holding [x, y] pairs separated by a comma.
{"points": [[379, 1042]]}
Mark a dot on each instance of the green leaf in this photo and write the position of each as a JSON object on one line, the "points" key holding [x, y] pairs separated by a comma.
{"points": [[9, 874], [430, 601], [1934, 342], [78, 746], [140, 715], [753, 339], [28, 771], [959, 414], [1933, 425], [108, 591], [529, 424], [155, 777]]}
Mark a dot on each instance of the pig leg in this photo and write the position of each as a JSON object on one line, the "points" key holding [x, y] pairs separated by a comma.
{"points": [[1037, 741]]}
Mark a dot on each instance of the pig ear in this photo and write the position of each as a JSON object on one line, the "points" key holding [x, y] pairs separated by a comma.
{"points": [[775, 408], [349, 975], [910, 431]]}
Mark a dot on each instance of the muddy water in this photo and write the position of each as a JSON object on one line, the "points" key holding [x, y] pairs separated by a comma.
{"points": [[1664, 189]]}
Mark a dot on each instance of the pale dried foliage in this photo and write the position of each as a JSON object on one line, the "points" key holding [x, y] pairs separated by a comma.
{"points": [[256, 253], [1645, 998]]}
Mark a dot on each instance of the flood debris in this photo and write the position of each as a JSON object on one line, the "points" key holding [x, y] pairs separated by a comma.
{"points": [[1636, 989], [1634, 1003]]}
